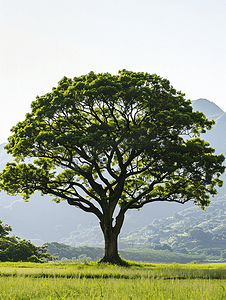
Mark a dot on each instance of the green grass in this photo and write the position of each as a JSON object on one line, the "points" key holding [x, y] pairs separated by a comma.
{"points": [[93, 281]]}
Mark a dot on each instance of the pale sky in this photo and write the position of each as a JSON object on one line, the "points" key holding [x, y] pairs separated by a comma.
{"points": [[41, 41]]}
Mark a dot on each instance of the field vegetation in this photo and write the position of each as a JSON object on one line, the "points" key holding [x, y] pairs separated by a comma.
{"points": [[26, 280]]}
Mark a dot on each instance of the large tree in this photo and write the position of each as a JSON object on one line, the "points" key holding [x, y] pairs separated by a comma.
{"points": [[103, 141]]}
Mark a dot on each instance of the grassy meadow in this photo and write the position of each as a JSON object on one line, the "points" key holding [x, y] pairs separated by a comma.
{"points": [[93, 281]]}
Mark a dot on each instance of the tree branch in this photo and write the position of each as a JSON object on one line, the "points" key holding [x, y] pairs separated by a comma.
{"points": [[79, 201], [109, 157]]}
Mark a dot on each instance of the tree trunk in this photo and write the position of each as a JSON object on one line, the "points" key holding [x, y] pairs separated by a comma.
{"points": [[111, 245]]}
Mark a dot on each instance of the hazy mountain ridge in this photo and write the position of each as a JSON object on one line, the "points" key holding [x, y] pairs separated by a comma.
{"points": [[210, 109], [190, 230], [216, 136], [42, 220]]}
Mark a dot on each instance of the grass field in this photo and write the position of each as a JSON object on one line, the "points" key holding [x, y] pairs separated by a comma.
{"points": [[93, 281]]}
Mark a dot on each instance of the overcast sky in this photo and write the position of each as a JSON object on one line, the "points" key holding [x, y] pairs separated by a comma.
{"points": [[43, 40]]}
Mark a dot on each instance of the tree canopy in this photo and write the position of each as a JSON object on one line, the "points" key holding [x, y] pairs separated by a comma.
{"points": [[100, 141]]}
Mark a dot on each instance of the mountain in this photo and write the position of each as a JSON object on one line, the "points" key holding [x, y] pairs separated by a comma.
{"points": [[191, 231], [216, 136], [42, 220], [210, 109]]}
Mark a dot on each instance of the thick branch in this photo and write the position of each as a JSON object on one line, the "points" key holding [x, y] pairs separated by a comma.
{"points": [[104, 180], [111, 173], [119, 156], [81, 186], [140, 205], [136, 204], [79, 201], [97, 187]]}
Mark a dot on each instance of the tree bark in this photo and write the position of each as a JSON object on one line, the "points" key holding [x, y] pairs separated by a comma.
{"points": [[111, 244]]}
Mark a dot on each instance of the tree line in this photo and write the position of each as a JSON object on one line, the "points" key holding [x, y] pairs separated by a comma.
{"points": [[12, 248]]}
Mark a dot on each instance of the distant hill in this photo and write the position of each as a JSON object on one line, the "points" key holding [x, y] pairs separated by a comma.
{"points": [[210, 109], [42, 220], [192, 230], [216, 136]]}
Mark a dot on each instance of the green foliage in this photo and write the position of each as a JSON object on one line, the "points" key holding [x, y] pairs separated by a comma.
{"points": [[35, 259], [20, 251], [15, 249], [5, 240], [132, 121], [4, 229]]}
